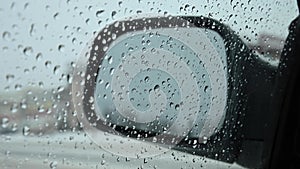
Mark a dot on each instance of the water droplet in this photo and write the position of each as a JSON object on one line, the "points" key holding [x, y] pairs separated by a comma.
{"points": [[113, 13], [14, 127], [41, 84], [53, 165], [105, 48], [110, 60], [113, 36], [74, 40], [133, 90], [87, 21], [48, 63], [41, 109], [56, 69], [147, 79], [6, 35], [111, 71], [61, 48], [107, 85], [177, 107], [39, 56], [98, 13], [182, 47], [69, 79], [26, 71], [10, 77], [23, 105], [26, 130], [28, 51], [130, 49], [156, 88], [5, 122], [205, 89], [120, 3], [14, 108], [32, 30], [18, 87], [60, 89], [55, 16], [154, 139], [205, 139]]}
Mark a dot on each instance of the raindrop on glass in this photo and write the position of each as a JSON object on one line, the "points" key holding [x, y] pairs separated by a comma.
{"points": [[39, 56], [55, 16], [110, 60], [205, 89], [48, 63], [10, 77], [26, 130], [53, 165], [156, 88], [98, 13], [56, 69], [6, 35], [61, 48], [28, 51], [146, 79], [4, 122], [113, 13]]}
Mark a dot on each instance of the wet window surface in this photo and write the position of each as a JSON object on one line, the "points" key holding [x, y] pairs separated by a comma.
{"points": [[138, 84]]}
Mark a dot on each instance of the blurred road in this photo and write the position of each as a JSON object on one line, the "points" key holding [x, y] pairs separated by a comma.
{"points": [[76, 150]]}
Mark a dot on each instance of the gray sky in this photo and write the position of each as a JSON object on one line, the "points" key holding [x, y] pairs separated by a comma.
{"points": [[56, 31]]}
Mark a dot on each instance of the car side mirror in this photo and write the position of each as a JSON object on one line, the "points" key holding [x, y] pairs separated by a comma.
{"points": [[166, 82]]}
